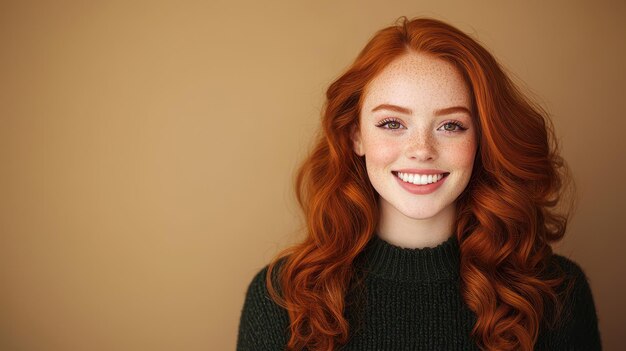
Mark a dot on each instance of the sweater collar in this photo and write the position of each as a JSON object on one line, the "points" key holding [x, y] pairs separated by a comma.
{"points": [[391, 262]]}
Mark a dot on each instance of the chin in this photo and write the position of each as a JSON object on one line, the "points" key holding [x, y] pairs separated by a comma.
{"points": [[420, 214]]}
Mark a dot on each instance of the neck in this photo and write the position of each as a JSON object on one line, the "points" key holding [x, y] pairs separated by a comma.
{"points": [[406, 232]]}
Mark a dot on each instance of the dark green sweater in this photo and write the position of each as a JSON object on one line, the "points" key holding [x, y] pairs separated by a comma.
{"points": [[412, 302]]}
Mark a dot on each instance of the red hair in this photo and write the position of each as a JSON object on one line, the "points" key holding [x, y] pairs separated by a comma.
{"points": [[506, 215]]}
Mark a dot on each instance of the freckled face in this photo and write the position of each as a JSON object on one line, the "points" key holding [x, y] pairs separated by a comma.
{"points": [[415, 121]]}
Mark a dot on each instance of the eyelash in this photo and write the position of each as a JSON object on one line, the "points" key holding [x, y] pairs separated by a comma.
{"points": [[385, 122], [459, 126]]}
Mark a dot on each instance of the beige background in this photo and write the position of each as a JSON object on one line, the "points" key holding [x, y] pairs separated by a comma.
{"points": [[147, 151]]}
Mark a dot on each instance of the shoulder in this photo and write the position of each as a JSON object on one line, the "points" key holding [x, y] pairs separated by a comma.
{"points": [[577, 287], [568, 265], [577, 296], [577, 327], [263, 323], [257, 288]]}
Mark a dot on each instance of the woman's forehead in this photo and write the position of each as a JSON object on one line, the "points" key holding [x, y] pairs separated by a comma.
{"points": [[418, 80]]}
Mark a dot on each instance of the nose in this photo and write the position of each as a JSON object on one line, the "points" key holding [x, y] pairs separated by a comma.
{"points": [[421, 147]]}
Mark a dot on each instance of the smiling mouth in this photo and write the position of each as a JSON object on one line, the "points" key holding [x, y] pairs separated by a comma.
{"points": [[420, 179]]}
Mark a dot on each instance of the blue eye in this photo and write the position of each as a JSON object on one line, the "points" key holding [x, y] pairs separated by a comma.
{"points": [[390, 123]]}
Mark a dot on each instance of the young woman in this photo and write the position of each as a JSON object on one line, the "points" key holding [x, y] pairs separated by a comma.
{"points": [[430, 209]]}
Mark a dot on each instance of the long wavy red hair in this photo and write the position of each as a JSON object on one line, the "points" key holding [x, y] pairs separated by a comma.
{"points": [[507, 215]]}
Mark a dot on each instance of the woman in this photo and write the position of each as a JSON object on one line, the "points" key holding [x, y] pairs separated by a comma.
{"points": [[429, 202]]}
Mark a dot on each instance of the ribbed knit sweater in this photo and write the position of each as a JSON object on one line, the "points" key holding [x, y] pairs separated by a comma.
{"points": [[412, 301]]}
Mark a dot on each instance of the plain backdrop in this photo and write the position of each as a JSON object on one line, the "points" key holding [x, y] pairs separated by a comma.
{"points": [[148, 150]]}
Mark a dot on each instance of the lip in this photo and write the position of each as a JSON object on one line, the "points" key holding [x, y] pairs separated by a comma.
{"points": [[421, 189], [419, 171]]}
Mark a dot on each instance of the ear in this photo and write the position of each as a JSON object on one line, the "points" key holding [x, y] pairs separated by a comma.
{"points": [[357, 142]]}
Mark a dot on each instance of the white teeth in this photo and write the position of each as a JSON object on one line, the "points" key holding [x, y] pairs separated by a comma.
{"points": [[418, 179]]}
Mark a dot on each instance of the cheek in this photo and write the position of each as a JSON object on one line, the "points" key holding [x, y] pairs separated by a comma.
{"points": [[381, 151], [463, 153]]}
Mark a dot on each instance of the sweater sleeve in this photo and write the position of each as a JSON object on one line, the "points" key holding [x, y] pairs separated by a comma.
{"points": [[578, 329], [263, 324]]}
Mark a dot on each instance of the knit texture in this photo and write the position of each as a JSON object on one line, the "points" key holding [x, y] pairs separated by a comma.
{"points": [[411, 301]]}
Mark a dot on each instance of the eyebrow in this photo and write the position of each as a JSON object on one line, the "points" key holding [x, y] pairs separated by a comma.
{"points": [[440, 112]]}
